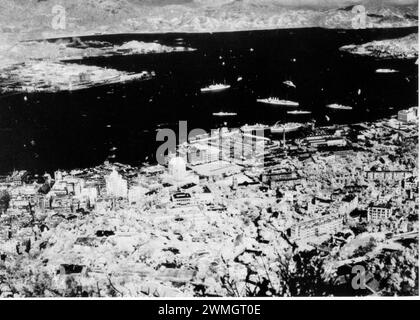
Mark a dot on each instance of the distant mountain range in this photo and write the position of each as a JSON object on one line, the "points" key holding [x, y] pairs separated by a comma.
{"points": [[32, 18]]}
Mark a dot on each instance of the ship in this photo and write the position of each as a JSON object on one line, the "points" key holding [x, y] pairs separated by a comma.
{"points": [[299, 112], [285, 127], [215, 87], [386, 71], [224, 114], [279, 102], [289, 83], [255, 127], [337, 106]]}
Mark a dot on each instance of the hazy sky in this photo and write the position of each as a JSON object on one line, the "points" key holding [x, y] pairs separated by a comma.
{"points": [[321, 3], [342, 2], [313, 2]]}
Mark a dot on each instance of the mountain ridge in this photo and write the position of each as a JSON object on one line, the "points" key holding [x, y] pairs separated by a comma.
{"points": [[33, 18]]}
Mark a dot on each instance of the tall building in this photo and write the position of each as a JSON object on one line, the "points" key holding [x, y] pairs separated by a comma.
{"points": [[177, 168], [116, 186], [58, 175], [202, 153]]}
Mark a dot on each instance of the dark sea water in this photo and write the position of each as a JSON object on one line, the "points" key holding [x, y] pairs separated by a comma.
{"points": [[79, 129]]}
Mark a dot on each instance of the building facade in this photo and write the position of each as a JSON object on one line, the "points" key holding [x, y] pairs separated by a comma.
{"points": [[316, 227], [379, 212]]}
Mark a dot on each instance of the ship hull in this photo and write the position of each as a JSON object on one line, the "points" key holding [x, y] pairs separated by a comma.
{"points": [[284, 130], [299, 113], [283, 104], [214, 90]]}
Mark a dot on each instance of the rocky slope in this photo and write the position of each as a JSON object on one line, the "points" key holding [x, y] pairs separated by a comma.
{"points": [[33, 18], [402, 48]]}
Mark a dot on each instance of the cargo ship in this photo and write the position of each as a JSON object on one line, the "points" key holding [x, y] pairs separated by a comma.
{"points": [[255, 127], [386, 71], [337, 106], [224, 114], [279, 102], [299, 112], [215, 87]]}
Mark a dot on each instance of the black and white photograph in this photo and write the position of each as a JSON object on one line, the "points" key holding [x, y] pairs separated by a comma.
{"points": [[203, 149]]}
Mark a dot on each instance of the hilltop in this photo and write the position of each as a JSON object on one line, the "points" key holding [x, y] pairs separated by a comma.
{"points": [[32, 19]]}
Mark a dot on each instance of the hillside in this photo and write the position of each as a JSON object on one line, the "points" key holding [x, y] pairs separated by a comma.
{"points": [[402, 48], [31, 19]]}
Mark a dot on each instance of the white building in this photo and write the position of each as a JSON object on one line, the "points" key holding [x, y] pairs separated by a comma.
{"points": [[316, 227], [379, 212], [181, 199], [177, 168], [409, 115], [116, 186], [136, 194], [89, 193], [177, 173], [202, 153]]}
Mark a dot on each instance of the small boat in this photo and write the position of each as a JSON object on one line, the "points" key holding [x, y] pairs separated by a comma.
{"points": [[337, 106], [215, 87], [299, 112], [289, 83], [386, 71], [285, 127], [224, 114], [279, 102]]}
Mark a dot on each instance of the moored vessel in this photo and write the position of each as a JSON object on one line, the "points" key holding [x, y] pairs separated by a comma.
{"points": [[279, 102], [215, 87]]}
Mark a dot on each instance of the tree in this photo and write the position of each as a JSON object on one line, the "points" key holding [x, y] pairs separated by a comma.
{"points": [[399, 272], [4, 201], [293, 275], [364, 249]]}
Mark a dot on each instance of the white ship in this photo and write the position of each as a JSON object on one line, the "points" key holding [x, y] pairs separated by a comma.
{"points": [[224, 114], [386, 71], [299, 112], [289, 83], [279, 102], [215, 87], [255, 127], [337, 106], [285, 127]]}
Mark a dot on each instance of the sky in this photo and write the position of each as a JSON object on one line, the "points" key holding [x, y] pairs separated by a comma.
{"points": [[319, 3]]}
